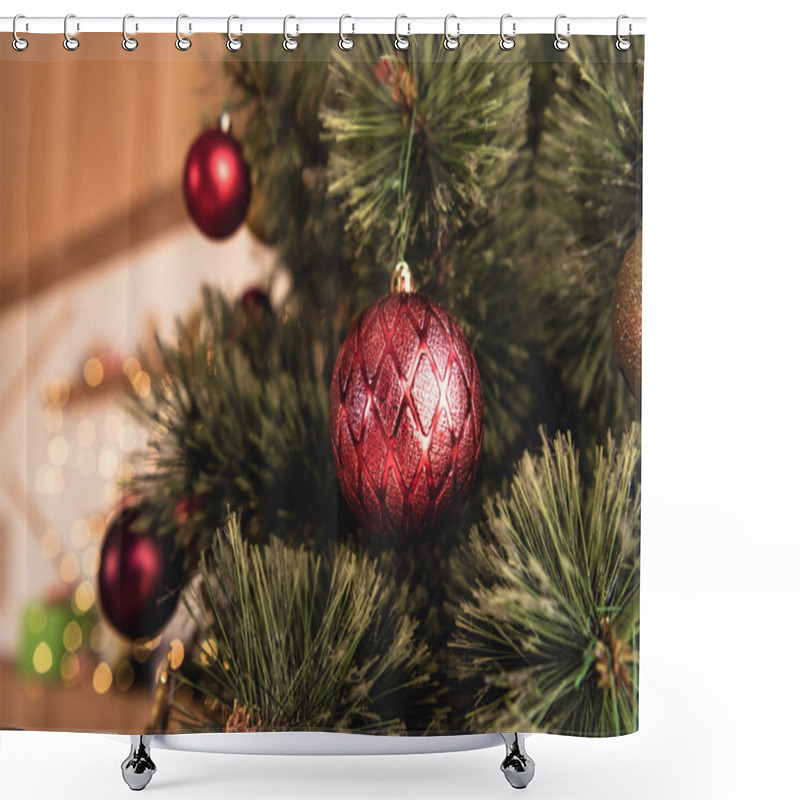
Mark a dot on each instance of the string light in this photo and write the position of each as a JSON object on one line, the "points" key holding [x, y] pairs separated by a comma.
{"points": [[58, 451], [72, 636], [102, 678], [176, 654], [42, 658], [70, 568], [69, 667], [83, 599], [125, 675], [93, 372]]}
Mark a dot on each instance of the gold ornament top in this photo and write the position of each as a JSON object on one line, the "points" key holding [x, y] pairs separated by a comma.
{"points": [[402, 279]]}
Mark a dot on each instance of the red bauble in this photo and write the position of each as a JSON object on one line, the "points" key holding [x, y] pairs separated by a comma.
{"points": [[216, 183], [139, 577], [256, 305], [406, 415]]}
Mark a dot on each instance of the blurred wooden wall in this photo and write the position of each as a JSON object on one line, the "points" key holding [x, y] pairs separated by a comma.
{"points": [[92, 146]]}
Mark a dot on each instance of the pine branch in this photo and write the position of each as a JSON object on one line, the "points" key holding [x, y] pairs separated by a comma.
{"points": [[238, 419], [548, 630], [588, 184], [292, 640]]}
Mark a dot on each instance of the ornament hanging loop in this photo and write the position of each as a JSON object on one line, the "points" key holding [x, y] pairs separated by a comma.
{"points": [[560, 42], [70, 42], [623, 43], [345, 42], [402, 279], [129, 43], [182, 42], [290, 43], [451, 42], [234, 44], [401, 42], [507, 40], [18, 43]]}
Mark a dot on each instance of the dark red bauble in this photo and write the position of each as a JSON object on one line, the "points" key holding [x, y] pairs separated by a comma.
{"points": [[256, 305], [139, 577], [216, 183], [406, 416]]}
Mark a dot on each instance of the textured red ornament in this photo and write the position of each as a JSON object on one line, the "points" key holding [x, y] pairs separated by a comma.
{"points": [[406, 415], [216, 183], [138, 577]]}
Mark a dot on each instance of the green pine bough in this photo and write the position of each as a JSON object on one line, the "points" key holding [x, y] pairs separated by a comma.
{"points": [[588, 180], [237, 418], [289, 639], [549, 632]]}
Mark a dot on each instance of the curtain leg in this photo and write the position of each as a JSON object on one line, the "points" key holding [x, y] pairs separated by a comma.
{"points": [[517, 766], [138, 768]]}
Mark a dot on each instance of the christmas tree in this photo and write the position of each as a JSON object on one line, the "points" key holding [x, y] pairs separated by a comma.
{"points": [[416, 512]]}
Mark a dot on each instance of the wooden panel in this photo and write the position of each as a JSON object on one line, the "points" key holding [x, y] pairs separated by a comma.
{"points": [[92, 146]]}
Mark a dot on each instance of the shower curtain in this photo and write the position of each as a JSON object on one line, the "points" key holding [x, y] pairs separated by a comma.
{"points": [[321, 385]]}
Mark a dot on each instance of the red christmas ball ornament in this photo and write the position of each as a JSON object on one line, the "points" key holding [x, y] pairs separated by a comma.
{"points": [[406, 413], [256, 305], [216, 183], [139, 577]]}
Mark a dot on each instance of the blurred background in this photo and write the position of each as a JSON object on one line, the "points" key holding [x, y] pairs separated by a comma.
{"points": [[96, 249]]}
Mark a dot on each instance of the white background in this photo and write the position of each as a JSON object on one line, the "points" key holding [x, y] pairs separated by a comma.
{"points": [[720, 603]]}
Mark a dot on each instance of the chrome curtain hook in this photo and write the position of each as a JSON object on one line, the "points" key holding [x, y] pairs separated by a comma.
{"points": [[181, 42], [401, 42], [290, 43], [129, 43], [507, 42], [70, 42], [345, 42], [450, 41], [623, 43], [19, 44], [234, 44], [560, 42]]}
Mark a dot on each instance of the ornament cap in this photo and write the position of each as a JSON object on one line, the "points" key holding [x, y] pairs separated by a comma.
{"points": [[402, 279], [225, 122]]}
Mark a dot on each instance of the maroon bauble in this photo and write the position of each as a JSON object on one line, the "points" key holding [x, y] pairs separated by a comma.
{"points": [[139, 577], [406, 416], [216, 183], [256, 305]]}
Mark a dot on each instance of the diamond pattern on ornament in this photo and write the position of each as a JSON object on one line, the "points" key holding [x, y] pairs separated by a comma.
{"points": [[406, 415]]}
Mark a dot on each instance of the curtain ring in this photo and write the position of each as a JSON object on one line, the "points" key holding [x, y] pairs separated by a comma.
{"points": [[70, 42], [129, 43], [182, 42], [19, 44], [345, 42], [234, 44], [451, 42], [560, 42], [623, 43], [401, 42], [507, 42], [290, 43]]}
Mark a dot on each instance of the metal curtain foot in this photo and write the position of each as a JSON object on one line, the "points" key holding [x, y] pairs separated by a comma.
{"points": [[138, 768], [517, 766]]}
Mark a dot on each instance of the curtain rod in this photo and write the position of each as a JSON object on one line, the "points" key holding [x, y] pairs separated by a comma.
{"points": [[347, 25]]}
